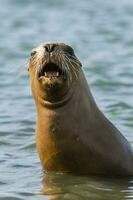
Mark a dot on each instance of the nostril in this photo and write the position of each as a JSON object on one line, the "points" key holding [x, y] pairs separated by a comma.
{"points": [[49, 47]]}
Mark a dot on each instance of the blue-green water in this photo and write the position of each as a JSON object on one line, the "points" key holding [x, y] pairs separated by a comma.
{"points": [[101, 33]]}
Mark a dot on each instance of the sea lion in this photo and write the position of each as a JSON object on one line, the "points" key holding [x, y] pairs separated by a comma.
{"points": [[72, 134]]}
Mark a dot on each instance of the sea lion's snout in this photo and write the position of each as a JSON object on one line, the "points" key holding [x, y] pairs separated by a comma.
{"points": [[51, 67]]}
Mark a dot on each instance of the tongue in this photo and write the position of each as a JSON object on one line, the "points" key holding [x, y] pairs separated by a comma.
{"points": [[51, 74]]}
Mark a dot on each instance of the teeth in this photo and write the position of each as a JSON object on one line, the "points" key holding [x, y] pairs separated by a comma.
{"points": [[47, 74]]}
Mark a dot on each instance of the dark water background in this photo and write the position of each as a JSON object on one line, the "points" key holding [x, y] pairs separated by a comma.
{"points": [[101, 32]]}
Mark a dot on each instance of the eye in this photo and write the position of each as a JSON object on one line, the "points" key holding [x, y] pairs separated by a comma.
{"points": [[69, 50], [33, 53]]}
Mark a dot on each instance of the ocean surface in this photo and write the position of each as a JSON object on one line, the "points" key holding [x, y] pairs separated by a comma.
{"points": [[101, 32]]}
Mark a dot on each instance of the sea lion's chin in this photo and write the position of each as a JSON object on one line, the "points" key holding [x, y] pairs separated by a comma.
{"points": [[52, 83], [54, 90]]}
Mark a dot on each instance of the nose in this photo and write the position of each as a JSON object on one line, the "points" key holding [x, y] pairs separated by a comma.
{"points": [[49, 47]]}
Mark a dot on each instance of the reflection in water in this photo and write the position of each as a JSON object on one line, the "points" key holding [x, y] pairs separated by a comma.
{"points": [[62, 186]]}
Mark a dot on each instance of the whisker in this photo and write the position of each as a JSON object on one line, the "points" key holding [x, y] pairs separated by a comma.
{"points": [[67, 69], [75, 70]]}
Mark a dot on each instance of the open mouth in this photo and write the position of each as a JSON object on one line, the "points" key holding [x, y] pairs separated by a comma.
{"points": [[50, 70]]}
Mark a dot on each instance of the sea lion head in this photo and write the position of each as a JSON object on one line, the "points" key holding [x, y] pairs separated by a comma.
{"points": [[53, 69]]}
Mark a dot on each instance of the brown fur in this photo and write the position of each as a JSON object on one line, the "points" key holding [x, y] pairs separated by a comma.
{"points": [[72, 134]]}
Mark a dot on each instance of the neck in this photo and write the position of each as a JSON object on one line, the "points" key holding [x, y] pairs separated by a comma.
{"points": [[57, 104]]}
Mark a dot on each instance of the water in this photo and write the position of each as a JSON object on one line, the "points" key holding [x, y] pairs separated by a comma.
{"points": [[101, 33]]}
